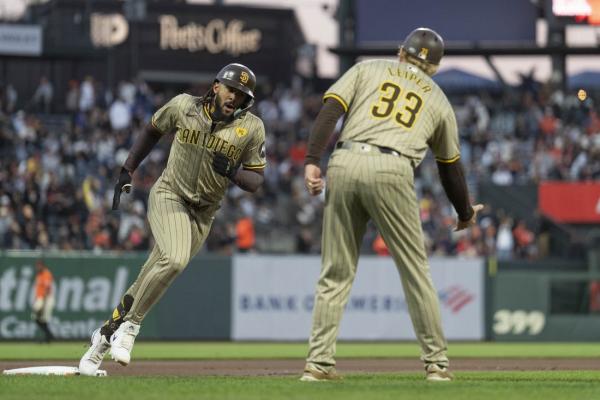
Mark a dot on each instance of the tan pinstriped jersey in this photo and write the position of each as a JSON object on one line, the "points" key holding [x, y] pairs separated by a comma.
{"points": [[189, 169], [395, 104]]}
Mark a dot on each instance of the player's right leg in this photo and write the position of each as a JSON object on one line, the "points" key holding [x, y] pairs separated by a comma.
{"points": [[344, 224], [91, 360], [170, 256], [100, 340], [173, 226]]}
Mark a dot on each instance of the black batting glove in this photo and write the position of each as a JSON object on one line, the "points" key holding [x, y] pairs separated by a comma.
{"points": [[123, 185], [223, 165]]}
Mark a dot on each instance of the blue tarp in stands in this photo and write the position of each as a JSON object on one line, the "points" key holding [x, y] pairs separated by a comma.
{"points": [[584, 80], [460, 81]]}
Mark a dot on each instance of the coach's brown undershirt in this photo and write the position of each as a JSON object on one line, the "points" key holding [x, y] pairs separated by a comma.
{"points": [[455, 186], [324, 125]]}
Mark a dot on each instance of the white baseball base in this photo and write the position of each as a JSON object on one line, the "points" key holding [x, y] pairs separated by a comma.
{"points": [[49, 370]]}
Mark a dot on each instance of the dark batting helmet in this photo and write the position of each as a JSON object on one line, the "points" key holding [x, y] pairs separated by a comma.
{"points": [[238, 76], [424, 44]]}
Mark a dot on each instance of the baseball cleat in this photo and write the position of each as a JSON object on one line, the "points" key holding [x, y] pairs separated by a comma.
{"points": [[121, 342], [91, 360], [311, 374], [436, 373]]}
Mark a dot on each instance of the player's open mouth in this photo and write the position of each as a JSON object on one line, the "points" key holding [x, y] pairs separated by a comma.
{"points": [[228, 107]]}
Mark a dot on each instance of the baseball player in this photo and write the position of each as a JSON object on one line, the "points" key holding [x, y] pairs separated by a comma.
{"points": [[393, 112], [214, 135], [44, 299]]}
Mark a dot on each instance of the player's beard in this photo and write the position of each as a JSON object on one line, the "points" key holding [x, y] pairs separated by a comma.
{"points": [[217, 110]]}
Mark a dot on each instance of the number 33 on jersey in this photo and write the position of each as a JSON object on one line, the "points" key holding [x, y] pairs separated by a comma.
{"points": [[396, 105]]}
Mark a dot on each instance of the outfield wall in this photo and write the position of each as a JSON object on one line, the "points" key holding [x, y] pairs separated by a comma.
{"points": [[272, 299], [87, 287], [545, 306], [241, 298], [252, 297]]}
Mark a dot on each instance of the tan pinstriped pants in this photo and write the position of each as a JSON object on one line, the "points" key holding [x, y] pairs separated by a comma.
{"points": [[179, 232], [363, 185]]}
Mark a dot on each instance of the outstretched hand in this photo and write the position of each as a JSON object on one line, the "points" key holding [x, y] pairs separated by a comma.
{"points": [[460, 225]]}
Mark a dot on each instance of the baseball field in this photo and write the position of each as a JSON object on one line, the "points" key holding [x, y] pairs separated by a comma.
{"points": [[202, 370]]}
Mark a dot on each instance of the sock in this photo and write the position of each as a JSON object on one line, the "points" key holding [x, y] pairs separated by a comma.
{"points": [[112, 324]]}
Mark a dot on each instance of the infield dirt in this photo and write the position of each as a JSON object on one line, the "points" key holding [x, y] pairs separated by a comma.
{"points": [[294, 367]]}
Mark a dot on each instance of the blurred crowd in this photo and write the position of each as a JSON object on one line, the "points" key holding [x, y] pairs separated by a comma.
{"points": [[57, 171]]}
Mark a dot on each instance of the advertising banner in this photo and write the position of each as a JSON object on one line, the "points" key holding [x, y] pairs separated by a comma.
{"points": [[570, 202], [541, 306], [87, 287], [272, 299], [177, 41], [19, 40]]}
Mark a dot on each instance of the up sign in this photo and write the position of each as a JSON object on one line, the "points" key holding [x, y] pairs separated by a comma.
{"points": [[107, 30]]}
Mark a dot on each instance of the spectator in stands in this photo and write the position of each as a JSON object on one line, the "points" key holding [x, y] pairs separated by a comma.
{"points": [[379, 246], [297, 152], [305, 241], [127, 92], [6, 221], [245, 236], [290, 106], [8, 99], [505, 240], [72, 97], [524, 240], [87, 95], [42, 98], [120, 114], [51, 195]]}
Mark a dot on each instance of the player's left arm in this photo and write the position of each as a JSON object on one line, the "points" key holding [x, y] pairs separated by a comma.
{"points": [[249, 180], [254, 160], [163, 121]]}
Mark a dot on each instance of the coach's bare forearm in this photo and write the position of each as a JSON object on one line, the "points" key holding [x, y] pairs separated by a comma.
{"points": [[249, 180], [142, 146]]}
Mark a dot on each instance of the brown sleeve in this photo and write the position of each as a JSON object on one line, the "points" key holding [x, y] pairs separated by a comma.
{"points": [[143, 144], [324, 125], [455, 186]]}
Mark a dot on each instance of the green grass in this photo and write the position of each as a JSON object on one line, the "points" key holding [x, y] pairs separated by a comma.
{"points": [[487, 385], [207, 350], [480, 385]]}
